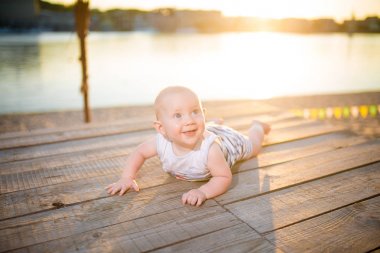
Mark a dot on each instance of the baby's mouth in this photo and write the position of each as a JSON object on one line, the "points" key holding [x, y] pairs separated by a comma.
{"points": [[190, 132]]}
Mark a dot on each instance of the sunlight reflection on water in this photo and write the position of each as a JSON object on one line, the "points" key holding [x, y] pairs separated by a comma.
{"points": [[41, 72]]}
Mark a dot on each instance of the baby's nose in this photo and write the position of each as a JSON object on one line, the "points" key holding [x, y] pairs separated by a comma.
{"points": [[189, 119]]}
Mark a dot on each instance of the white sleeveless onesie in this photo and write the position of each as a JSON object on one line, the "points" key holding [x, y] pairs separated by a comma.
{"points": [[193, 165]]}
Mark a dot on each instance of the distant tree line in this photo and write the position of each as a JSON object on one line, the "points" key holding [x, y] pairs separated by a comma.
{"points": [[44, 16], [55, 7]]}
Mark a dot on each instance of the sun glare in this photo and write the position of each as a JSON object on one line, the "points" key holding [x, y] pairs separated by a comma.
{"points": [[337, 9], [273, 8]]}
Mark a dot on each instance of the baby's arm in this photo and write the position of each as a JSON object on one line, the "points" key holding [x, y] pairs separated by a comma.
{"points": [[134, 162], [217, 185]]}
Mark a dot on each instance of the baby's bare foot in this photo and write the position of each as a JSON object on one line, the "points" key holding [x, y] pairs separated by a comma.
{"points": [[218, 121], [266, 127]]}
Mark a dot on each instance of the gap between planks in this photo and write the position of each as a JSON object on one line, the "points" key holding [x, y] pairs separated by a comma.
{"points": [[101, 211], [47, 196]]}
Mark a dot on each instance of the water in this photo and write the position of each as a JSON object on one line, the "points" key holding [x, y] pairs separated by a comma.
{"points": [[41, 72]]}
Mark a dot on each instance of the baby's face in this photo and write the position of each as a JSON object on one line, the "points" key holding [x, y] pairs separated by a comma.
{"points": [[182, 119]]}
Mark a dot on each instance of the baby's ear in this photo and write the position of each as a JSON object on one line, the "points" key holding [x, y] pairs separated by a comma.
{"points": [[158, 126]]}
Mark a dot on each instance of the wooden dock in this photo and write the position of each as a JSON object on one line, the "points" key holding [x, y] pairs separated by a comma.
{"points": [[314, 188]]}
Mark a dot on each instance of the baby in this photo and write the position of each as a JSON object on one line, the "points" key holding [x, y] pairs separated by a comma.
{"points": [[189, 149]]}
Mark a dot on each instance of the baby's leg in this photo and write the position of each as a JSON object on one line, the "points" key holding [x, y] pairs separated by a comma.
{"points": [[256, 135], [217, 121]]}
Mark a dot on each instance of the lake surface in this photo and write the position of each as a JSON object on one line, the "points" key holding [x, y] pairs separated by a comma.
{"points": [[41, 72]]}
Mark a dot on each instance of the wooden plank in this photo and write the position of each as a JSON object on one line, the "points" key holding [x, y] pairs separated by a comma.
{"points": [[39, 199], [127, 115], [101, 134], [268, 156], [293, 150], [73, 146], [239, 238], [101, 143], [291, 121], [58, 175], [130, 115], [71, 221], [23, 198], [303, 130], [355, 228], [154, 219], [87, 172], [70, 159], [145, 234], [137, 114], [277, 120], [271, 153], [77, 134], [308, 129], [255, 182], [62, 149], [135, 123], [39, 178], [239, 109], [292, 205]]}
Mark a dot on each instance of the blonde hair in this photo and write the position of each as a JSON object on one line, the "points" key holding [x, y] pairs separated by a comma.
{"points": [[160, 99]]}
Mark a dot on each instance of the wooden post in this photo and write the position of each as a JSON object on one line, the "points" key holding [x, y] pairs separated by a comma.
{"points": [[82, 20]]}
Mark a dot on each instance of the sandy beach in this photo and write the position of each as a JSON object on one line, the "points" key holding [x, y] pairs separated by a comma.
{"points": [[368, 126]]}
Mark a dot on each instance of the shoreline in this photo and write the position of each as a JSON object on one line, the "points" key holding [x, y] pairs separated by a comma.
{"points": [[24, 122]]}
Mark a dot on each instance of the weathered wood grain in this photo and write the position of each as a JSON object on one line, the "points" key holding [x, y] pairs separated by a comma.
{"points": [[238, 109], [61, 165], [255, 182], [301, 130], [277, 120], [287, 151], [129, 114], [70, 221], [55, 173], [308, 129], [134, 123], [73, 146], [355, 228], [146, 234], [239, 238], [67, 159], [139, 113], [39, 199], [39, 194], [292, 205], [58, 175], [66, 189], [40, 178], [102, 147], [298, 193], [293, 150], [102, 141]]}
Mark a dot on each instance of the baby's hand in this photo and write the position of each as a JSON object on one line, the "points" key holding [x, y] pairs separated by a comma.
{"points": [[122, 186], [194, 197]]}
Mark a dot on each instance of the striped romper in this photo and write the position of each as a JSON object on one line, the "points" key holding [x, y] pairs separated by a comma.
{"points": [[193, 166]]}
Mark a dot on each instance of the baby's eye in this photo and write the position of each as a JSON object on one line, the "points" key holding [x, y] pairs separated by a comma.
{"points": [[177, 115], [195, 112]]}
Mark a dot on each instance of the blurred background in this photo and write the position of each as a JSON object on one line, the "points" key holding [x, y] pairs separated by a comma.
{"points": [[230, 49]]}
